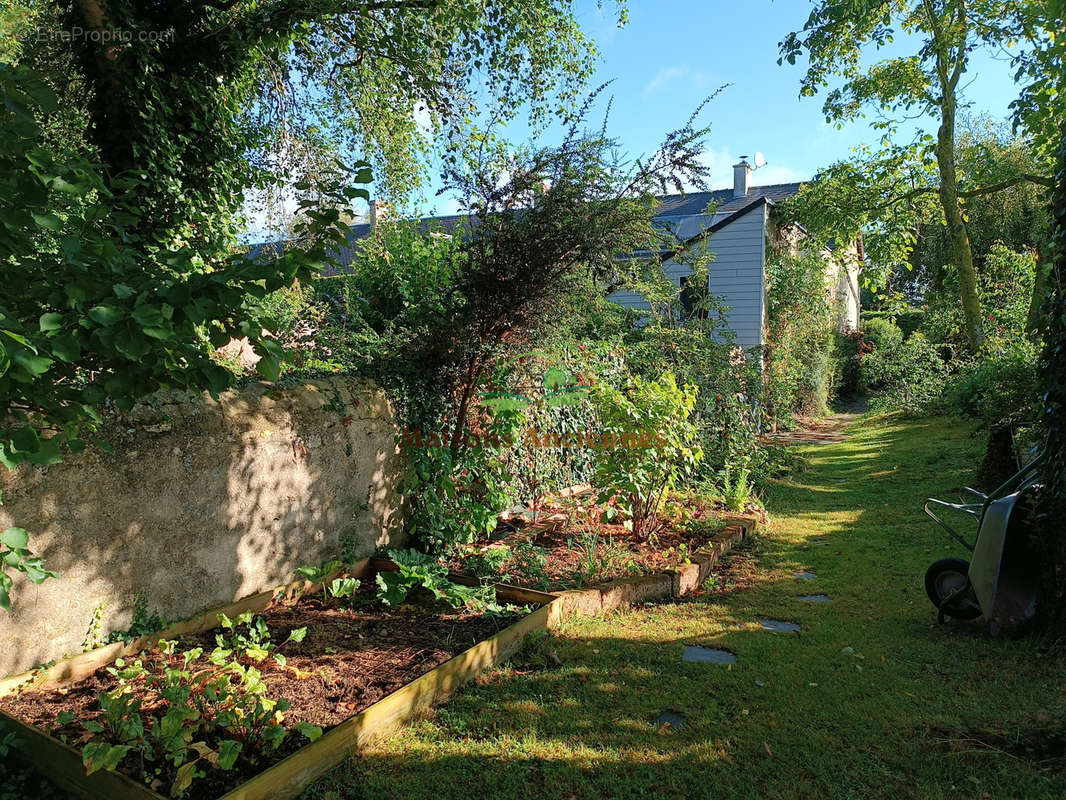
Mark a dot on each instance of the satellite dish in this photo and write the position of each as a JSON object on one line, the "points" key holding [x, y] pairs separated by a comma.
{"points": [[760, 160]]}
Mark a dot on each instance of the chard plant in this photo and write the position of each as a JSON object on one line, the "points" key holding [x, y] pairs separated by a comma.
{"points": [[418, 570], [176, 716]]}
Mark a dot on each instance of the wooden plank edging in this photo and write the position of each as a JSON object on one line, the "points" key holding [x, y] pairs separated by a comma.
{"points": [[80, 665], [677, 582], [290, 776]]}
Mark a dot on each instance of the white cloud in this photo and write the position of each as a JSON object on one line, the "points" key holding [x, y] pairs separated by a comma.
{"points": [[448, 205], [668, 76]]}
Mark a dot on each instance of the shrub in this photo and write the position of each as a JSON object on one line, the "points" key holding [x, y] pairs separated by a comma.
{"points": [[799, 371], [882, 333], [848, 350], [910, 377], [658, 412], [1000, 388], [908, 318], [458, 493], [178, 715]]}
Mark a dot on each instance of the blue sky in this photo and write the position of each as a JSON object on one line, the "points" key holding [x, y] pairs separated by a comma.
{"points": [[671, 55]]}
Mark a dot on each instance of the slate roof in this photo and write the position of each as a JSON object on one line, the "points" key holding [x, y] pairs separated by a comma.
{"points": [[695, 203], [686, 214]]}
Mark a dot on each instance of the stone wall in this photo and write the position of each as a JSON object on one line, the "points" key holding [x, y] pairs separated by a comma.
{"points": [[201, 502]]}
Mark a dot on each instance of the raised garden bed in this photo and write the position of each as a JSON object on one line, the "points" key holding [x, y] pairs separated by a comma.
{"points": [[359, 672], [597, 564]]}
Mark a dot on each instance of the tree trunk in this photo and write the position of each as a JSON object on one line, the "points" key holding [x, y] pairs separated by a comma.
{"points": [[962, 252], [1050, 541], [1040, 286]]}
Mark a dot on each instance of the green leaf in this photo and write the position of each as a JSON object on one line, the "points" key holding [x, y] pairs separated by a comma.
{"points": [[228, 751], [51, 322], [15, 538], [35, 571], [20, 339], [269, 367], [47, 220], [67, 187], [312, 732], [47, 453], [100, 755], [132, 346], [33, 364], [218, 378], [107, 315], [393, 588], [25, 440], [297, 635], [271, 347], [66, 348], [148, 316]]}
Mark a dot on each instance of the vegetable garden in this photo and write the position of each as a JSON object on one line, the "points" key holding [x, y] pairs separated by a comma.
{"points": [[562, 455]]}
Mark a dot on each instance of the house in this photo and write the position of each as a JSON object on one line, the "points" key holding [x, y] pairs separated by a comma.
{"points": [[738, 225], [740, 228]]}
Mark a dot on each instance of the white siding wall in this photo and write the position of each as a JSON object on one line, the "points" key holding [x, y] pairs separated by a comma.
{"points": [[737, 273]]}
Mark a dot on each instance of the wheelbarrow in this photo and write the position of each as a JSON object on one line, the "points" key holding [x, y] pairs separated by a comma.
{"points": [[1000, 579]]}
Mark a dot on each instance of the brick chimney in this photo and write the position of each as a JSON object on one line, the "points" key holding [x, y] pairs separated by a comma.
{"points": [[379, 212], [741, 178]]}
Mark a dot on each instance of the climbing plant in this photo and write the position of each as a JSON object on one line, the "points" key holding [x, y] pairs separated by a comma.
{"points": [[98, 311]]}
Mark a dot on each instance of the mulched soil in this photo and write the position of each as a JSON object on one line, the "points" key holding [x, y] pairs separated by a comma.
{"points": [[621, 554], [348, 661]]}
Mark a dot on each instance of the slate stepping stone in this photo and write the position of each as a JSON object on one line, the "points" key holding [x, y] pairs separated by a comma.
{"points": [[707, 655], [671, 718], [803, 575], [815, 598], [779, 626]]}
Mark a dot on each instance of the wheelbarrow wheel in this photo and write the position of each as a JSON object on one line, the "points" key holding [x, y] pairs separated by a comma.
{"points": [[948, 579]]}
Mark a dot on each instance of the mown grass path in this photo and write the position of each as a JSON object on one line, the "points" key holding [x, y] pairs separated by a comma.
{"points": [[872, 699]]}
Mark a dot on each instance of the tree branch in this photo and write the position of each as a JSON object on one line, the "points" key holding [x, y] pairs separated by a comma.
{"points": [[1040, 180]]}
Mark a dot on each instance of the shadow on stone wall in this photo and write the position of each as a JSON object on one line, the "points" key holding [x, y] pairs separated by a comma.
{"points": [[202, 502]]}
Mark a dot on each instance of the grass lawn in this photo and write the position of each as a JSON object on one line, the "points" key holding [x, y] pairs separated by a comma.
{"points": [[872, 699]]}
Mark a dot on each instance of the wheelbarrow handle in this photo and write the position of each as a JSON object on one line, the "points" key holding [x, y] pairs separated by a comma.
{"points": [[973, 509]]}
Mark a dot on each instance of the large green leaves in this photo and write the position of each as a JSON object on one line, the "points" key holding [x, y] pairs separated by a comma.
{"points": [[115, 288]]}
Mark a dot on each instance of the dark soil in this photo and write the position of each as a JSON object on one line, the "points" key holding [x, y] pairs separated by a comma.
{"points": [[563, 536], [348, 661]]}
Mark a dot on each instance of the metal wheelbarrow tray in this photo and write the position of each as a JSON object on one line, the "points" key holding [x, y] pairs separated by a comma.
{"points": [[999, 582]]}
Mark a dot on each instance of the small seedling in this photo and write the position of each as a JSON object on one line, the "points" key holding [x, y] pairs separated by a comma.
{"points": [[343, 587], [319, 574]]}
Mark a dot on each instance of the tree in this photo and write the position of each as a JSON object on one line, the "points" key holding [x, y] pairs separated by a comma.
{"points": [[296, 83], [89, 316], [121, 203], [1040, 107], [1052, 507], [925, 83], [447, 309]]}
